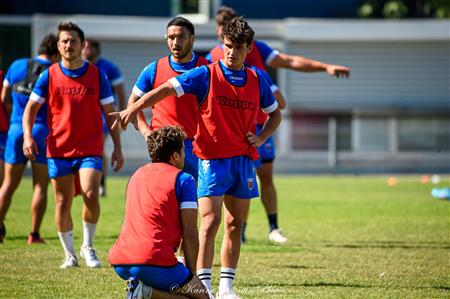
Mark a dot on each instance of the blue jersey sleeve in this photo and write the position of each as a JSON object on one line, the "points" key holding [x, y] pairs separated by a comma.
{"points": [[195, 81], [267, 52], [144, 82], [40, 90], [267, 102], [111, 70], [16, 72], [208, 57], [186, 191], [106, 96]]}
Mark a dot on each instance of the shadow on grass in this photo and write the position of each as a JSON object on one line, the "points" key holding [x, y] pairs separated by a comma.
{"points": [[389, 245], [339, 285]]}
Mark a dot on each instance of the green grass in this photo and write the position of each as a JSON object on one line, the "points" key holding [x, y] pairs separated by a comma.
{"points": [[349, 237]]}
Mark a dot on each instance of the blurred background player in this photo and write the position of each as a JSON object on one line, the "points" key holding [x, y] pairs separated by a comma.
{"points": [[263, 56], [157, 215], [18, 84], [180, 37], [91, 52], [76, 92], [4, 123], [229, 96]]}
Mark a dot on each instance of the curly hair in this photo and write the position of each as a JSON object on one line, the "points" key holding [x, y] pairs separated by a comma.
{"points": [[165, 141], [69, 26], [238, 31], [48, 45], [224, 15]]}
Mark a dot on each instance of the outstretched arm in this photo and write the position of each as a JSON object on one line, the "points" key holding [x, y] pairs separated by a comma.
{"points": [[152, 97], [303, 64]]}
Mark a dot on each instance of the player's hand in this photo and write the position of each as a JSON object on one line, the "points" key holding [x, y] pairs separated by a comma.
{"points": [[338, 71], [30, 149], [117, 160], [254, 140], [123, 118]]}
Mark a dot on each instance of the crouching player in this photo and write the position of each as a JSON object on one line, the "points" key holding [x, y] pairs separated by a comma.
{"points": [[161, 208]]}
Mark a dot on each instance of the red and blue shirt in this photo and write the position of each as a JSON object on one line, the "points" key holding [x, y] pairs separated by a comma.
{"points": [[228, 103]]}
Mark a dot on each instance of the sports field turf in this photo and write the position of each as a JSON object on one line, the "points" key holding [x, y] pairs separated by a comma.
{"points": [[349, 237]]}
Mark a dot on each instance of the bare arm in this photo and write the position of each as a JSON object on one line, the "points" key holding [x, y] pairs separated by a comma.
{"points": [[302, 64], [29, 116], [270, 126], [280, 99], [142, 124], [116, 156], [190, 237], [6, 100], [119, 90], [152, 97]]}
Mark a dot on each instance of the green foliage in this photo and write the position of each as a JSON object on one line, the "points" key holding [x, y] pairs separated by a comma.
{"points": [[404, 9], [349, 237]]}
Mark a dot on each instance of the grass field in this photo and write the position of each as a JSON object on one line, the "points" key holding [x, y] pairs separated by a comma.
{"points": [[349, 237]]}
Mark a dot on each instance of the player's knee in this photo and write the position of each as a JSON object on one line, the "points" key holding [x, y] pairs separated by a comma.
{"points": [[210, 222], [91, 196], [234, 225]]}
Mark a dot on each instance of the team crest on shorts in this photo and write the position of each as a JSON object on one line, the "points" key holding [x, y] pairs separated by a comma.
{"points": [[250, 183]]}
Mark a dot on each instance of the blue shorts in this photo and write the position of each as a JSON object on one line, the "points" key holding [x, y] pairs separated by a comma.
{"points": [[3, 136], [14, 144], [190, 159], [58, 167], [232, 176], [266, 151], [161, 278]]}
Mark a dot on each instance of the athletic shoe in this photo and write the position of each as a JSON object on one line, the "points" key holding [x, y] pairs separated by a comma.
{"points": [[228, 295], [136, 289], [35, 240], [102, 191], [69, 262], [88, 253], [2, 232], [277, 236]]}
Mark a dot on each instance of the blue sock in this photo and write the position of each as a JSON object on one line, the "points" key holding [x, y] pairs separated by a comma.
{"points": [[273, 221]]}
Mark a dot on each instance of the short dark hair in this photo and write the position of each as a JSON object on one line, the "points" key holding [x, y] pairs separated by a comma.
{"points": [[165, 141], [239, 31], [183, 22], [69, 26], [224, 15], [94, 44], [48, 45]]}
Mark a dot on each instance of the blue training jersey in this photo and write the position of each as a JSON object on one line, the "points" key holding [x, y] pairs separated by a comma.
{"points": [[111, 71], [17, 72]]}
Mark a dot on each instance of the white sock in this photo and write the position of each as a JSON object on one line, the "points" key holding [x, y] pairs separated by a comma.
{"points": [[88, 234], [205, 276], [226, 280], [66, 239]]}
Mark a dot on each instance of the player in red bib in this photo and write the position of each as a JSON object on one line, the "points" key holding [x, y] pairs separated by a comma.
{"points": [[161, 207], [180, 36], [76, 93], [229, 97], [263, 56]]}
